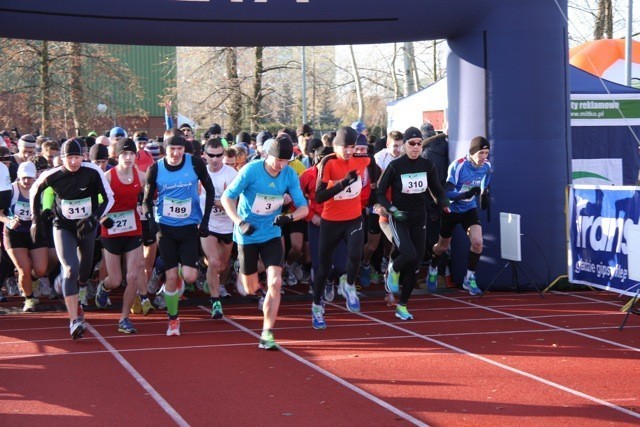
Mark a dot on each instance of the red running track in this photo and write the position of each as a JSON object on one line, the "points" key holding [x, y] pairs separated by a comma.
{"points": [[500, 360]]}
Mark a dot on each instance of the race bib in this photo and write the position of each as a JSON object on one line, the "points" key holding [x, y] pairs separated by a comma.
{"points": [[350, 192], [76, 209], [413, 183], [265, 204], [23, 211], [122, 222], [176, 208]]}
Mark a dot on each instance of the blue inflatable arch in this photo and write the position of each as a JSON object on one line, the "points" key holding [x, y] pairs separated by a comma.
{"points": [[507, 78]]}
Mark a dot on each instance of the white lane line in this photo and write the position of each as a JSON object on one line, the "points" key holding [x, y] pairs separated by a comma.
{"points": [[334, 377], [548, 325], [175, 416], [503, 366]]}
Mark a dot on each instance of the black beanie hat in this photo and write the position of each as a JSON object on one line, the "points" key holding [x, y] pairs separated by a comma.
{"points": [[478, 143], [125, 144], [71, 147], [412, 132], [345, 136], [263, 136], [281, 148], [98, 152]]}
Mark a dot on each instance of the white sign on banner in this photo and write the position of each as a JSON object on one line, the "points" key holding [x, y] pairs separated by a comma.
{"points": [[597, 171]]}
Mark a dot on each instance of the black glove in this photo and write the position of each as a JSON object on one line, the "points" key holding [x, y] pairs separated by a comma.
{"points": [[485, 199], [473, 192], [396, 214], [283, 219], [246, 228], [107, 222], [350, 178], [86, 226], [151, 222], [46, 217], [203, 229]]}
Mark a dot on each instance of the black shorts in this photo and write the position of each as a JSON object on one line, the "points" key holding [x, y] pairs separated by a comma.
{"points": [[293, 227], [148, 238], [121, 245], [15, 240], [271, 253], [179, 245], [373, 223], [226, 238], [450, 220]]}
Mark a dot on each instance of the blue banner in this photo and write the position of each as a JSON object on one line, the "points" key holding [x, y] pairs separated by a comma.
{"points": [[604, 235]]}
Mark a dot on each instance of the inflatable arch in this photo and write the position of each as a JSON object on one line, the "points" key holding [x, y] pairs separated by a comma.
{"points": [[517, 97], [606, 58]]}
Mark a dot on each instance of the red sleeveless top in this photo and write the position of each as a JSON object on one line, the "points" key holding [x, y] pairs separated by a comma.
{"points": [[124, 213]]}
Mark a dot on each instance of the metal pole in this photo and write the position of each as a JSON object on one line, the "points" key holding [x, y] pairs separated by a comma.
{"points": [[628, 44], [304, 85]]}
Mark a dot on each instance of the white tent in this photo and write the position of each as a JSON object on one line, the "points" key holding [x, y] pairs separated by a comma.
{"points": [[428, 104]]}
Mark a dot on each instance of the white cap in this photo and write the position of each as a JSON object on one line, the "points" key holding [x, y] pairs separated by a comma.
{"points": [[27, 170]]}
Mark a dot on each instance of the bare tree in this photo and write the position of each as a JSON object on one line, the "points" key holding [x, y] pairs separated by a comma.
{"points": [[604, 20], [358, 84]]}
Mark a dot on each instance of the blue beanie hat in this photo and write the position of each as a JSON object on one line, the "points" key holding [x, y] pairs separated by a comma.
{"points": [[117, 131], [358, 126]]}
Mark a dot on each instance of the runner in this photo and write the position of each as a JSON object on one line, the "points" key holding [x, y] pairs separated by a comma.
{"points": [[338, 187], [25, 254], [218, 245], [122, 237], [468, 177], [178, 219], [77, 186], [409, 177], [260, 187]]}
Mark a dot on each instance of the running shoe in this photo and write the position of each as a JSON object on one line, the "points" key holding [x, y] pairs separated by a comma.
{"points": [[45, 287], [223, 291], [261, 303], [202, 277], [76, 329], [159, 301], [384, 264], [329, 291], [376, 278], [317, 316], [174, 327], [365, 275], [392, 283], [216, 310], [147, 307], [82, 296], [57, 284], [126, 327], [306, 278], [92, 288], [154, 282], [267, 341], [432, 279], [290, 277], [469, 284], [351, 296], [136, 308], [35, 289], [402, 313], [189, 288], [30, 305], [12, 286], [297, 271], [102, 297], [239, 286]]}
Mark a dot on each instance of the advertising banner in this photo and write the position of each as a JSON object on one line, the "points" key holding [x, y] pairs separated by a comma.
{"points": [[604, 237]]}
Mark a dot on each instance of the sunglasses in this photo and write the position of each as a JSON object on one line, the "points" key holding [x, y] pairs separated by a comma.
{"points": [[414, 143], [214, 155]]}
